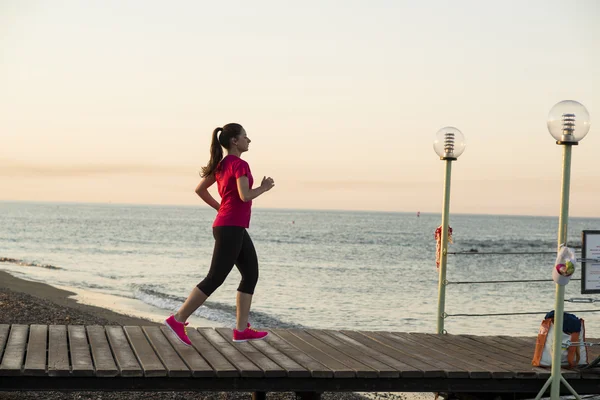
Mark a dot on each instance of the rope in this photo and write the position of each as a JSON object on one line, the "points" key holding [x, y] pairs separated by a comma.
{"points": [[518, 313], [517, 281], [493, 252], [485, 253], [582, 300]]}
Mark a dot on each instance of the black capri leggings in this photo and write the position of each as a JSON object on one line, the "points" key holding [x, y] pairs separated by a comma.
{"points": [[232, 246]]}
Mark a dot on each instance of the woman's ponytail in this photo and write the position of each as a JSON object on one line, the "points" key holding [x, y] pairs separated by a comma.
{"points": [[228, 132], [216, 154]]}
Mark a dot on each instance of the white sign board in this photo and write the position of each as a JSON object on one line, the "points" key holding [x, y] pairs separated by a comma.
{"points": [[590, 269]]}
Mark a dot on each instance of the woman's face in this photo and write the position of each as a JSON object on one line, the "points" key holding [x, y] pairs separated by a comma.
{"points": [[242, 141]]}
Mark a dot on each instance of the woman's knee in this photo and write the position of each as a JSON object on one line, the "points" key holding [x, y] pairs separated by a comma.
{"points": [[249, 281], [209, 285]]}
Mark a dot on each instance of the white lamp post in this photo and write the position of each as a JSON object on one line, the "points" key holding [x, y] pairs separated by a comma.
{"points": [[568, 123], [449, 144]]}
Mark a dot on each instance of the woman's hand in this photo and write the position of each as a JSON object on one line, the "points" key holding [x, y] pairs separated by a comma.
{"points": [[267, 183], [202, 191]]}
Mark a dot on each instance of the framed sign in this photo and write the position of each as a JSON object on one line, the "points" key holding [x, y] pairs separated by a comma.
{"points": [[590, 264]]}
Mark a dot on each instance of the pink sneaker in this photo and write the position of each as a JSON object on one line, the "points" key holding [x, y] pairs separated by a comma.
{"points": [[248, 334], [178, 329]]}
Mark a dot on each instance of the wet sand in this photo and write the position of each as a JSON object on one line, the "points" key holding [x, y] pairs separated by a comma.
{"points": [[26, 302]]}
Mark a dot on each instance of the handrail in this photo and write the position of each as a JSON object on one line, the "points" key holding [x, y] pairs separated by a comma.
{"points": [[514, 281], [516, 313]]}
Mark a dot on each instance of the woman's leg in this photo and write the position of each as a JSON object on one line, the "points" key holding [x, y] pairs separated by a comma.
{"points": [[247, 264], [192, 303], [243, 303], [228, 244]]}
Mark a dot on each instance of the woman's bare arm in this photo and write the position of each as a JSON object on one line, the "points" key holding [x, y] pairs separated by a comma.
{"points": [[247, 194], [202, 191]]}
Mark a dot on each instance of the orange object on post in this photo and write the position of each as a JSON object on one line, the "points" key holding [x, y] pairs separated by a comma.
{"points": [[541, 342]]}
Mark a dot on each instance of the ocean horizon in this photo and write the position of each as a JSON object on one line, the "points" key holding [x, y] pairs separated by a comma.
{"points": [[258, 207]]}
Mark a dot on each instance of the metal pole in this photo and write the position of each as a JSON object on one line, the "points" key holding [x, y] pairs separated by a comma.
{"points": [[573, 392], [560, 289], [444, 250], [541, 393]]}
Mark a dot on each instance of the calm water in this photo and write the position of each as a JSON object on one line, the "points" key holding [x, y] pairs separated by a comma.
{"points": [[320, 269]]}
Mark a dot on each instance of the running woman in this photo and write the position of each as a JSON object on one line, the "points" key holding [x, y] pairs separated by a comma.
{"points": [[233, 245]]}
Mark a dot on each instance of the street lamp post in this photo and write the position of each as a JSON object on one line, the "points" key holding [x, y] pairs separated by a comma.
{"points": [[449, 144], [568, 123]]}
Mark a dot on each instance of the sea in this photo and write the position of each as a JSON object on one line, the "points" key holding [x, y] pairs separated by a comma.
{"points": [[318, 269]]}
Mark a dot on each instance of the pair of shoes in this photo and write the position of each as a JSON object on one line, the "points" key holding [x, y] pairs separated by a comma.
{"points": [[248, 334], [179, 329]]}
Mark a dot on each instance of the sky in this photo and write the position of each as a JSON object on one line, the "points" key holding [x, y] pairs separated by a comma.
{"points": [[116, 101]]}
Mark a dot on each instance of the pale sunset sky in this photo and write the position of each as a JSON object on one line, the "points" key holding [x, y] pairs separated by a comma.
{"points": [[115, 101]]}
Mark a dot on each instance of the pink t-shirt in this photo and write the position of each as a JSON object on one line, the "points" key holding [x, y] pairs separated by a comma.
{"points": [[233, 211]]}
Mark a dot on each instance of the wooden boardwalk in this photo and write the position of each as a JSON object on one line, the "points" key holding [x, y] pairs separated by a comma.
{"points": [[75, 357]]}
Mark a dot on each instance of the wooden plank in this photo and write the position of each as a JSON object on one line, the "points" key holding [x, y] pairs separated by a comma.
{"points": [[81, 359], [315, 368], [4, 329], [404, 370], [381, 370], [35, 361], [268, 366], [453, 368], [339, 369], [101, 354], [169, 357], [221, 367], [189, 355], [58, 351], [292, 368], [522, 366], [243, 365], [422, 353], [361, 370], [509, 348], [527, 341], [521, 369], [430, 370], [142, 349], [12, 361], [525, 347], [463, 356], [124, 357]]}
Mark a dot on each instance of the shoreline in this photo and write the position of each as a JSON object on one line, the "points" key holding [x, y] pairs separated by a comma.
{"points": [[49, 295], [119, 310]]}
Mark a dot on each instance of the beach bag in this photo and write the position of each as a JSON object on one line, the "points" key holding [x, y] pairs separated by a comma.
{"points": [[573, 330]]}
